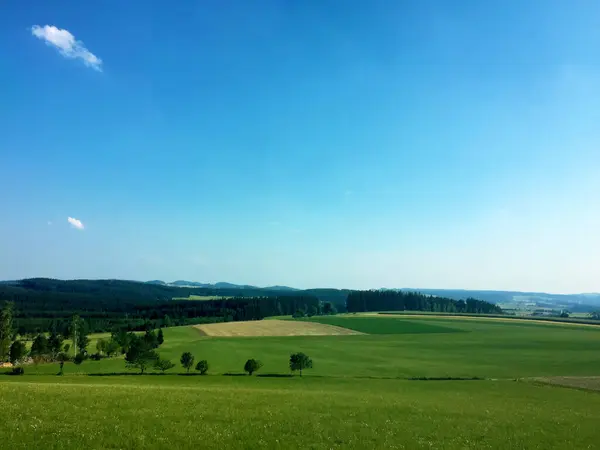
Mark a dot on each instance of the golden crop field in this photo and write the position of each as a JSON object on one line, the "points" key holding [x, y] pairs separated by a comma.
{"points": [[273, 328]]}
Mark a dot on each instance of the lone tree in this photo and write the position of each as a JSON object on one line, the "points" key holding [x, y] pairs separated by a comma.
{"points": [[160, 338], [39, 347], [202, 367], [139, 355], [6, 331], [187, 361], [329, 308], [163, 365], [17, 351], [55, 344], [112, 347], [78, 331], [300, 361], [102, 346], [151, 339], [252, 365], [62, 358], [79, 358]]}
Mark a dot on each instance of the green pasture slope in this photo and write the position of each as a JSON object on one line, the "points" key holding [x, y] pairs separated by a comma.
{"points": [[358, 395]]}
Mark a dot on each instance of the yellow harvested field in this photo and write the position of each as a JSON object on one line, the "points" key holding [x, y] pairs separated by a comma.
{"points": [[272, 328]]}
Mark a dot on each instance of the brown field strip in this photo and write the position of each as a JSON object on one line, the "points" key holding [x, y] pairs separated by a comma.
{"points": [[498, 319], [272, 328], [590, 383]]}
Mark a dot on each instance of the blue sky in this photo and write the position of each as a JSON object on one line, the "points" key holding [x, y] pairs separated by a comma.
{"points": [[341, 143]]}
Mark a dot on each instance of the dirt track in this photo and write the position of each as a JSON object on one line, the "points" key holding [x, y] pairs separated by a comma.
{"points": [[272, 328]]}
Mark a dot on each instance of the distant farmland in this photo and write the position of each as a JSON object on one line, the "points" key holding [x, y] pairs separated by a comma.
{"points": [[201, 298], [392, 381]]}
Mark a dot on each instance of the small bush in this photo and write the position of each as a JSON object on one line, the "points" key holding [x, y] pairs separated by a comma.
{"points": [[300, 361], [202, 367], [17, 371], [187, 361], [251, 366], [79, 358], [163, 365]]}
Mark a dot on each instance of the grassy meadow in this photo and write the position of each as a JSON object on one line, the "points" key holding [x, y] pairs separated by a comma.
{"points": [[358, 395], [309, 413]]}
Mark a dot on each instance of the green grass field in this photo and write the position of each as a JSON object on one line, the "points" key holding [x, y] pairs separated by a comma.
{"points": [[310, 413], [370, 326], [356, 396]]}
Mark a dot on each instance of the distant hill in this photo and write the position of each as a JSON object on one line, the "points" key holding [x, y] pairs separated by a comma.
{"points": [[522, 300], [184, 283], [98, 294], [281, 288], [225, 285], [219, 285]]}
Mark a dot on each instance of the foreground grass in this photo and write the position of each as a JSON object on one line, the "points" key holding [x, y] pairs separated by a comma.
{"points": [[243, 412], [345, 401]]}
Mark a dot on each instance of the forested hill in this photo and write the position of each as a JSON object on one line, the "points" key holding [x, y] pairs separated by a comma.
{"points": [[98, 295], [42, 304]]}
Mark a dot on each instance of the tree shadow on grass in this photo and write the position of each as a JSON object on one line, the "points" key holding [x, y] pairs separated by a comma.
{"points": [[445, 378], [121, 374], [275, 375]]}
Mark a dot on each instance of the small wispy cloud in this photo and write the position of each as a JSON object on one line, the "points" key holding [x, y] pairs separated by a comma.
{"points": [[67, 45], [75, 223]]}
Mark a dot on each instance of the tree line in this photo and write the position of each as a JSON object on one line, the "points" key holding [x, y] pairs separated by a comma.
{"points": [[39, 300], [139, 350], [363, 301], [141, 356]]}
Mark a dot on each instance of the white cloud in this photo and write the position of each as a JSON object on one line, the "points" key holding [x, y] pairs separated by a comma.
{"points": [[75, 223], [66, 44]]}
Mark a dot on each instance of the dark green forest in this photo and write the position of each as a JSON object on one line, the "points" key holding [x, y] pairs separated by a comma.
{"points": [[362, 301], [42, 304]]}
